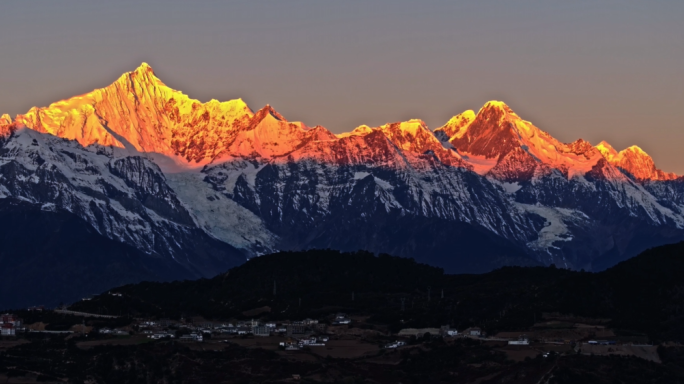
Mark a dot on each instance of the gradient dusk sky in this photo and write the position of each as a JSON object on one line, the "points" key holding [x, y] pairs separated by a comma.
{"points": [[599, 70]]}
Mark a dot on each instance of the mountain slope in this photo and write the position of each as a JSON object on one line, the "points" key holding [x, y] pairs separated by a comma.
{"points": [[49, 257], [125, 198]]}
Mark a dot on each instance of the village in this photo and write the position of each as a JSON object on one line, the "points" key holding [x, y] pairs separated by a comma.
{"points": [[340, 336]]}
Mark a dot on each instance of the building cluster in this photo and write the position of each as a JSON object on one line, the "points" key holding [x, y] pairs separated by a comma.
{"points": [[522, 340], [294, 344], [443, 331], [156, 330], [308, 332], [341, 319], [299, 334], [10, 324], [192, 337], [109, 331], [474, 331], [395, 344], [198, 330], [159, 335]]}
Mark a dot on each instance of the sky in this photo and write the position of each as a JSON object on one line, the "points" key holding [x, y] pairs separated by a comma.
{"points": [[597, 70]]}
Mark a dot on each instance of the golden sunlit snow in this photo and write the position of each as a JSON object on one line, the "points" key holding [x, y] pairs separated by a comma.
{"points": [[139, 111]]}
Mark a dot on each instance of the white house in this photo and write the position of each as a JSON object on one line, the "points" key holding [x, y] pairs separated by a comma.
{"points": [[395, 344], [341, 318], [192, 337], [522, 340], [8, 330]]}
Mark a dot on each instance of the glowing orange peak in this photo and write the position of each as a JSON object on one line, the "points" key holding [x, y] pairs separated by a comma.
{"points": [[634, 161], [457, 125], [267, 112], [497, 105], [140, 110], [607, 150], [144, 74], [144, 67], [361, 130], [412, 126], [635, 149], [5, 125], [579, 147]]}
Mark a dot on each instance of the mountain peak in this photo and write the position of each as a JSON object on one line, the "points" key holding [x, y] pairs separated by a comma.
{"points": [[151, 117], [636, 150], [636, 162], [498, 108], [607, 150], [267, 112], [408, 127], [144, 67], [5, 124], [633, 161], [636, 153], [492, 133], [144, 74], [456, 126], [361, 130], [497, 105], [498, 138], [581, 147]]}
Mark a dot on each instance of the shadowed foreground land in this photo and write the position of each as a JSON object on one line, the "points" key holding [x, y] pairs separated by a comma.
{"points": [[642, 296], [459, 361], [636, 305]]}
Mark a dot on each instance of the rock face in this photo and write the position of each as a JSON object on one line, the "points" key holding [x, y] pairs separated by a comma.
{"points": [[204, 183]]}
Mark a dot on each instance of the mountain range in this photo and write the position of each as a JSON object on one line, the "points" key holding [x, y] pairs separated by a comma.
{"points": [[195, 188]]}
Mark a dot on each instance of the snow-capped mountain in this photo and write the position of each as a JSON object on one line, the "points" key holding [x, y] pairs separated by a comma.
{"points": [[148, 166], [125, 198]]}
